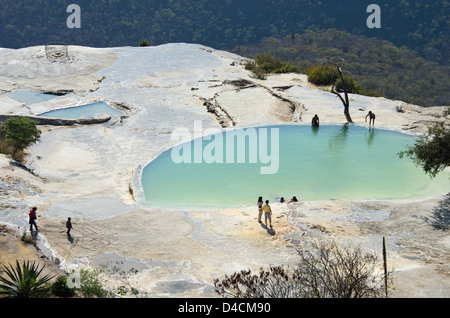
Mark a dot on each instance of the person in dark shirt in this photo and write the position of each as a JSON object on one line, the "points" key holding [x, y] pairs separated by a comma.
{"points": [[32, 219], [69, 226], [315, 121]]}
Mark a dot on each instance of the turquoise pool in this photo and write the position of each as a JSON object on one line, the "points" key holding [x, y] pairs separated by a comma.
{"points": [[332, 162], [30, 97], [83, 111]]}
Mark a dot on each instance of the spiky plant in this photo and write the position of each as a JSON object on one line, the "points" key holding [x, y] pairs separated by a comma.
{"points": [[24, 281]]}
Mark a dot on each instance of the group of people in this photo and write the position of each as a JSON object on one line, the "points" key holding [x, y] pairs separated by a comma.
{"points": [[294, 199], [315, 122], [267, 210], [33, 217]]}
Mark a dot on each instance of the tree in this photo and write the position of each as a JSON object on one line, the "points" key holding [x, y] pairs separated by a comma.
{"points": [[24, 281], [329, 271], [325, 74], [21, 132], [325, 271], [345, 101], [431, 152]]}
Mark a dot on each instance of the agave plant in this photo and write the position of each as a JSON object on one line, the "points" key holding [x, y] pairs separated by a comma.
{"points": [[23, 280]]}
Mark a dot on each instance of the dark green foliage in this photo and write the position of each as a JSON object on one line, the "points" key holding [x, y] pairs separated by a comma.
{"points": [[325, 75], [20, 132], [144, 43], [379, 67], [419, 25], [431, 153], [350, 83], [271, 64], [265, 64], [322, 75], [393, 61], [59, 288], [91, 286], [257, 72], [24, 281]]}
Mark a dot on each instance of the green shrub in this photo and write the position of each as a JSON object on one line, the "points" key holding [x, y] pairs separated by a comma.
{"points": [[322, 75], [59, 288], [257, 72], [265, 64], [91, 286], [143, 43], [352, 86], [20, 132], [271, 64]]}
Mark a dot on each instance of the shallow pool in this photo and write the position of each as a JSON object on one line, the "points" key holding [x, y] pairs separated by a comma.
{"points": [[30, 97], [83, 111], [332, 162]]}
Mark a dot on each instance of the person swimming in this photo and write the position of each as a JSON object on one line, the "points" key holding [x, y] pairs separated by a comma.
{"points": [[315, 121]]}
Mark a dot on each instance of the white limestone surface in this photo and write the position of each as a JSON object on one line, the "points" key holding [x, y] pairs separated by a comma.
{"points": [[92, 173]]}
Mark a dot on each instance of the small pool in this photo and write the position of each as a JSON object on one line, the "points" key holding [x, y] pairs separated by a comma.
{"points": [[83, 111], [30, 97], [332, 162]]}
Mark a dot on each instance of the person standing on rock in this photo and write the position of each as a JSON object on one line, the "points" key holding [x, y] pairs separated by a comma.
{"points": [[32, 219], [68, 226], [268, 213], [260, 208], [371, 118]]}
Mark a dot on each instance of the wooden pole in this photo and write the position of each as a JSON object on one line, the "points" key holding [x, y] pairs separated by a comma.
{"points": [[385, 268]]}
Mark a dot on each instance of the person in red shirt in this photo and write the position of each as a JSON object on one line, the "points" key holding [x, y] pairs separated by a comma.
{"points": [[33, 218]]}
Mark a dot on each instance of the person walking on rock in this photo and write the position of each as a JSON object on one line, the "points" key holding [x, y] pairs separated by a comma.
{"points": [[32, 219]]}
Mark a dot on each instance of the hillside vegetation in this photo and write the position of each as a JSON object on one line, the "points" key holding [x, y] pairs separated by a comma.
{"points": [[380, 67], [223, 24], [407, 58]]}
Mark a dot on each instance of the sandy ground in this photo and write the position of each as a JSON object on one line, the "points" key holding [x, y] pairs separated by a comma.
{"points": [[180, 253]]}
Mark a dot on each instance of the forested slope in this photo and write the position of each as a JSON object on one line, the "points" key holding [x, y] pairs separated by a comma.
{"points": [[422, 26], [379, 66], [407, 58]]}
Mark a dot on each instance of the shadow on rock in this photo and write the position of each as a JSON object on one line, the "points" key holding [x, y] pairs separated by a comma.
{"points": [[269, 230], [440, 219]]}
